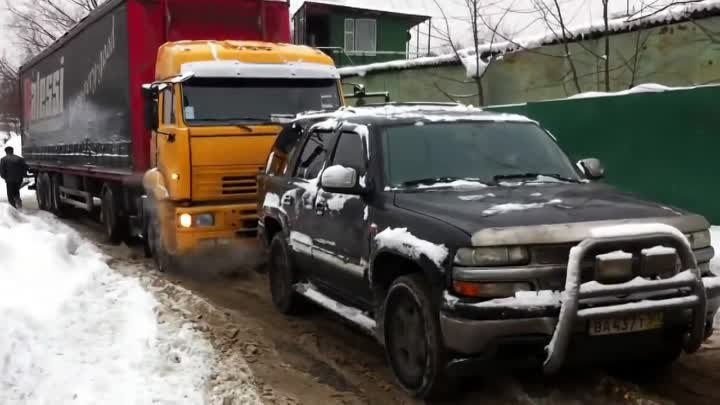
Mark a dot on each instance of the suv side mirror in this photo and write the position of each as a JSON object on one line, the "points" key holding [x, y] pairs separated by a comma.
{"points": [[341, 180], [592, 168], [150, 100]]}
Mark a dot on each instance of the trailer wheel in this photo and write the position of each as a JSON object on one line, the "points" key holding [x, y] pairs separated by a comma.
{"points": [[115, 224], [42, 193], [55, 202]]}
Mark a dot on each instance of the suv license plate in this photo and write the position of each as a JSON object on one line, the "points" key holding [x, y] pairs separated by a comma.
{"points": [[630, 324]]}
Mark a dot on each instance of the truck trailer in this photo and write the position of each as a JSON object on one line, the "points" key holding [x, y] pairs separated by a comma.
{"points": [[157, 116]]}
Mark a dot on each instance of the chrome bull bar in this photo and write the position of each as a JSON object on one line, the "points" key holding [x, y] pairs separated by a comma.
{"points": [[574, 291]]}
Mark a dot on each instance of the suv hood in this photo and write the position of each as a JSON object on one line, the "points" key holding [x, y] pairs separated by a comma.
{"points": [[540, 205]]}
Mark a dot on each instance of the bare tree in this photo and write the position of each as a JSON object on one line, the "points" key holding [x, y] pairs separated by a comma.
{"points": [[34, 25], [480, 55]]}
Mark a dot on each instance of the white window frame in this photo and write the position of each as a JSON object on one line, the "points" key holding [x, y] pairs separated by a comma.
{"points": [[372, 33], [349, 35]]}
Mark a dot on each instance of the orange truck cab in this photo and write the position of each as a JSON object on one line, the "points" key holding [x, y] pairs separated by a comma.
{"points": [[214, 110]]}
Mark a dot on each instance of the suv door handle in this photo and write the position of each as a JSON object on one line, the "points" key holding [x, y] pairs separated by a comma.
{"points": [[288, 200], [320, 207]]}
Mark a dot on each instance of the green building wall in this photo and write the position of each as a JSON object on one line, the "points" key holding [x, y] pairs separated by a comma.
{"points": [[681, 54]]}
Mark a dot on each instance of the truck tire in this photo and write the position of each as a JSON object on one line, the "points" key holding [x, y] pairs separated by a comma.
{"points": [[56, 205], [413, 340], [42, 191], [282, 277], [115, 224]]}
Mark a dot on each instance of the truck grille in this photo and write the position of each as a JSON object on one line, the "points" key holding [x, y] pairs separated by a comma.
{"points": [[225, 183]]}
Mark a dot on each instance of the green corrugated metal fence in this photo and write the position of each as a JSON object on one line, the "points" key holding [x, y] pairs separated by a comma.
{"points": [[663, 146]]}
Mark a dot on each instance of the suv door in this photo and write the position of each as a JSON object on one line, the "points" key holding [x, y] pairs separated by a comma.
{"points": [[301, 196], [342, 233]]}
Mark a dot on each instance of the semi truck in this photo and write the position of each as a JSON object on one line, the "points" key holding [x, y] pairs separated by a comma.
{"points": [[157, 115]]}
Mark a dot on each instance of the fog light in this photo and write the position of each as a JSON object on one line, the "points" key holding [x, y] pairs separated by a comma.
{"points": [[613, 267], [204, 220], [185, 220], [489, 290], [659, 261]]}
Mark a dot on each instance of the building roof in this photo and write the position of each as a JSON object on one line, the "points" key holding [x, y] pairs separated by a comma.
{"points": [[415, 14]]}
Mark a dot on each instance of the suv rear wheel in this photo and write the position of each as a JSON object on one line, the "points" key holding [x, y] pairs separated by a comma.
{"points": [[413, 339], [282, 277]]}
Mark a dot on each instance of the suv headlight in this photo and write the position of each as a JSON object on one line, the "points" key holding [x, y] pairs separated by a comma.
{"points": [[492, 256], [699, 240]]}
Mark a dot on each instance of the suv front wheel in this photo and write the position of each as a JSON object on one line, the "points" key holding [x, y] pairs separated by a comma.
{"points": [[413, 339], [282, 277]]}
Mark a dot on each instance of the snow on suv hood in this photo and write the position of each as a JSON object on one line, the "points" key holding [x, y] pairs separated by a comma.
{"points": [[529, 205]]}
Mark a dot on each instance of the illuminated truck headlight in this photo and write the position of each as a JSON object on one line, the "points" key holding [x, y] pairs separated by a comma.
{"points": [[197, 220], [186, 220], [492, 256]]}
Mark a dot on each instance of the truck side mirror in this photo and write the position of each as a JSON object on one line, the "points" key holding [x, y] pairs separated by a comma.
{"points": [[592, 168], [150, 98]]}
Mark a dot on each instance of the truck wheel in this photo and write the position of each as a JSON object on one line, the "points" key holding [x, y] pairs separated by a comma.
{"points": [[413, 340], [282, 277], [42, 192], [115, 225], [55, 203]]}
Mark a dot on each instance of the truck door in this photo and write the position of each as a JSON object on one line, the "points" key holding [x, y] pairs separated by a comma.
{"points": [[342, 234]]}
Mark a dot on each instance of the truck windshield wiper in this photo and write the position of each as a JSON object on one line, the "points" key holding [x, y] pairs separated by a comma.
{"points": [[500, 177]]}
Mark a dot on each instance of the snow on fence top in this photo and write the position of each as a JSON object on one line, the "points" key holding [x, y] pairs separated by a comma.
{"points": [[675, 13]]}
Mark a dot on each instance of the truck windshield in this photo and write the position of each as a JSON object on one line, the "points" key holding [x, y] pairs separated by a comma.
{"points": [[488, 152], [247, 101]]}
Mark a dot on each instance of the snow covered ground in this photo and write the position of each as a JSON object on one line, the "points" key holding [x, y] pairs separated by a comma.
{"points": [[74, 330]]}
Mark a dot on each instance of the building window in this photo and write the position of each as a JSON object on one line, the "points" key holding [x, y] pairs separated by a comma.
{"points": [[361, 36]]}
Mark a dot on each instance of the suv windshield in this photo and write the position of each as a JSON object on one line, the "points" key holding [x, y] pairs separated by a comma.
{"points": [[489, 152], [247, 101]]}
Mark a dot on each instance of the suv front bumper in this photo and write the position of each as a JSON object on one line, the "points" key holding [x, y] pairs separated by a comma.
{"points": [[688, 301]]}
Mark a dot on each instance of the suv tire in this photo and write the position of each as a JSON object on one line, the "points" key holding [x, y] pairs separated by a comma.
{"points": [[282, 277], [413, 340]]}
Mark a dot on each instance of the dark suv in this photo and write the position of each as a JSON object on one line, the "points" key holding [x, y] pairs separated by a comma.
{"points": [[459, 237]]}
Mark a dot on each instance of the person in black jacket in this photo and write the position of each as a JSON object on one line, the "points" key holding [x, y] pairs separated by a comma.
{"points": [[13, 170]]}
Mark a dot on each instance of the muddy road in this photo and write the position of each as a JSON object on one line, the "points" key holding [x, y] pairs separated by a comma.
{"points": [[317, 359]]}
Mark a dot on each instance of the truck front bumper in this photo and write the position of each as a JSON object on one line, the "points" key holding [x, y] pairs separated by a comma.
{"points": [[688, 302], [234, 226]]}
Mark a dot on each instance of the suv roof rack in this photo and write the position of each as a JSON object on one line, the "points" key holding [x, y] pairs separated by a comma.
{"points": [[412, 104]]}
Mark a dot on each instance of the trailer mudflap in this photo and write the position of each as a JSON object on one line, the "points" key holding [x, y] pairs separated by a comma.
{"points": [[691, 279]]}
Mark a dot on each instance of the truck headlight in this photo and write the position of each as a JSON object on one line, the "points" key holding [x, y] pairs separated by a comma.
{"points": [[204, 220], [699, 240], [492, 256], [185, 220], [197, 220]]}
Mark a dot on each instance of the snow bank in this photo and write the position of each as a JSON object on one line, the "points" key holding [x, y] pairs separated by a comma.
{"points": [[405, 242], [510, 207], [74, 331]]}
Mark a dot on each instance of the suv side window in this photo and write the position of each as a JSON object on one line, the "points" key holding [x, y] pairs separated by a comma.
{"points": [[285, 146], [314, 154], [350, 152]]}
